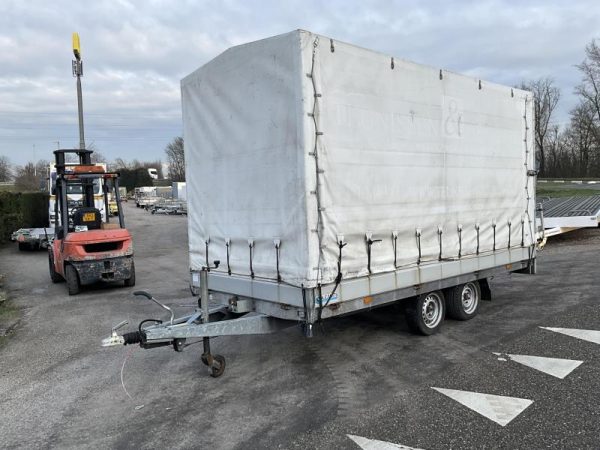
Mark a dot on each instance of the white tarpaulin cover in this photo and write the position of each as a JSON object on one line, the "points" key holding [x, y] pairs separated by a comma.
{"points": [[399, 150]]}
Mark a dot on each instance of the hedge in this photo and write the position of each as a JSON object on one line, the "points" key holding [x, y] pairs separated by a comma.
{"points": [[22, 210]]}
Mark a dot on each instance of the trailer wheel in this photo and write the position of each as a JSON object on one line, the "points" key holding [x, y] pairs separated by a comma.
{"points": [[130, 282], [463, 301], [54, 275], [72, 280], [425, 314], [24, 246], [218, 366]]}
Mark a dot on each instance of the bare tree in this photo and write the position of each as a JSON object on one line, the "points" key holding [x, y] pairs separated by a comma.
{"points": [[589, 89], [582, 138], [545, 99], [26, 178], [98, 157], [176, 159], [5, 169]]}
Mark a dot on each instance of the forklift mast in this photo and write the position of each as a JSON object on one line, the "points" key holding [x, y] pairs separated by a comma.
{"points": [[85, 172]]}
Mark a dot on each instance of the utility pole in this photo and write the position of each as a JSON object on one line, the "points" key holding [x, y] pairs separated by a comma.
{"points": [[78, 72]]}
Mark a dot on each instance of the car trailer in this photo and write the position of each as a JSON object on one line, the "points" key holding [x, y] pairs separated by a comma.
{"points": [[33, 238], [561, 215]]}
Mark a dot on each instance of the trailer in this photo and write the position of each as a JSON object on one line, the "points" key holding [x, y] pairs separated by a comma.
{"points": [[33, 238], [325, 179]]}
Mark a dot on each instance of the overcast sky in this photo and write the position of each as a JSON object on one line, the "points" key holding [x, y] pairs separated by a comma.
{"points": [[136, 52]]}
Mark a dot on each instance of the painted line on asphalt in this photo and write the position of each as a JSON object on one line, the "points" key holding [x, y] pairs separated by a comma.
{"points": [[373, 444], [557, 367], [497, 408], [584, 335]]}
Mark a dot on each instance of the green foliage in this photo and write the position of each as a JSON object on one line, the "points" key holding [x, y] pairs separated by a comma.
{"points": [[22, 210], [34, 209], [132, 178]]}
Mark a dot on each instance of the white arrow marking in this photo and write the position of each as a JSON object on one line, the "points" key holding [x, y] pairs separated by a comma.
{"points": [[372, 444], [557, 367], [498, 408], [585, 335]]}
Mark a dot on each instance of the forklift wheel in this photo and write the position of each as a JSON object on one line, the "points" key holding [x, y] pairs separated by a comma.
{"points": [[72, 280], [54, 276], [130, 282]]}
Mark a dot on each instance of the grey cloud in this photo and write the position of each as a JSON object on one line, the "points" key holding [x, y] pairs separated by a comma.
{"points": [[135, 53]]}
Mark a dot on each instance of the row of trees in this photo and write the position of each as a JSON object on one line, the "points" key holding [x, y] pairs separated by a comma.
{"points": [[33, 176], [572, 150]]}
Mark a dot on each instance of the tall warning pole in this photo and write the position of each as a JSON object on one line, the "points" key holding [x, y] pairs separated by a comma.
{"points": [[78, 72]]}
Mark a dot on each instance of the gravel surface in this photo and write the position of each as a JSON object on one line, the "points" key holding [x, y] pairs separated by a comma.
{"points": [[363, 375]]}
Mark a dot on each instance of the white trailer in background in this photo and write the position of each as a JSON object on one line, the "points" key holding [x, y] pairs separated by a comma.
{"points": [[326, 179], [179, 190]]}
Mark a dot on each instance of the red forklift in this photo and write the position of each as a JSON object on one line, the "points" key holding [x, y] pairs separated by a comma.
{"points": [[88, 248]]}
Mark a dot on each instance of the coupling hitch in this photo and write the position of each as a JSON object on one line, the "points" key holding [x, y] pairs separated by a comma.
{"points": [[114, 338]]}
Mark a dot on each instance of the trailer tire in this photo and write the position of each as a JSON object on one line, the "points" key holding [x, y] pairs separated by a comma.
{"points": [[24, 247], [463, 300], [54, 275], [425, 313], [72, 278], [130, 282]]}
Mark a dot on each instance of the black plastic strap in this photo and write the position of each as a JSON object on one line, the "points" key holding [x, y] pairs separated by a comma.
{"points": [[440, 233], [395, 245], [370, 242], [277, 246], [522, 233], [341, 245], [477, 228], [459, 241], [251, 247], [418, 235], [227, 245], [206, 247], [494, 229], [509, 227]]}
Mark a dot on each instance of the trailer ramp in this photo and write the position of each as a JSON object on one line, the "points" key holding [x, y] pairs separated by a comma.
{"points": [[570, 213]]}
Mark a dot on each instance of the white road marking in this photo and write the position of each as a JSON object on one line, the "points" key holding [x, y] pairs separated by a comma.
{"points": [[585, 335], [498, 408], [557, 367], [372, 444]]}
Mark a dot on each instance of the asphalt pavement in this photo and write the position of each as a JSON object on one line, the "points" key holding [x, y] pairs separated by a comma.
{"points": [[364, 376]]}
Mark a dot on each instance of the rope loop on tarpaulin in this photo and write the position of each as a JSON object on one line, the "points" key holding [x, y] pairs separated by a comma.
{"points": [[315, 155]]}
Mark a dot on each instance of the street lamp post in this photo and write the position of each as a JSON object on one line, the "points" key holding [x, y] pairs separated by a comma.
{"points": [[78, 72]]}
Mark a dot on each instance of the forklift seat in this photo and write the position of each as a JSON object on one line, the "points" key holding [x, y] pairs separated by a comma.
{"points": [[91, 217]]}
